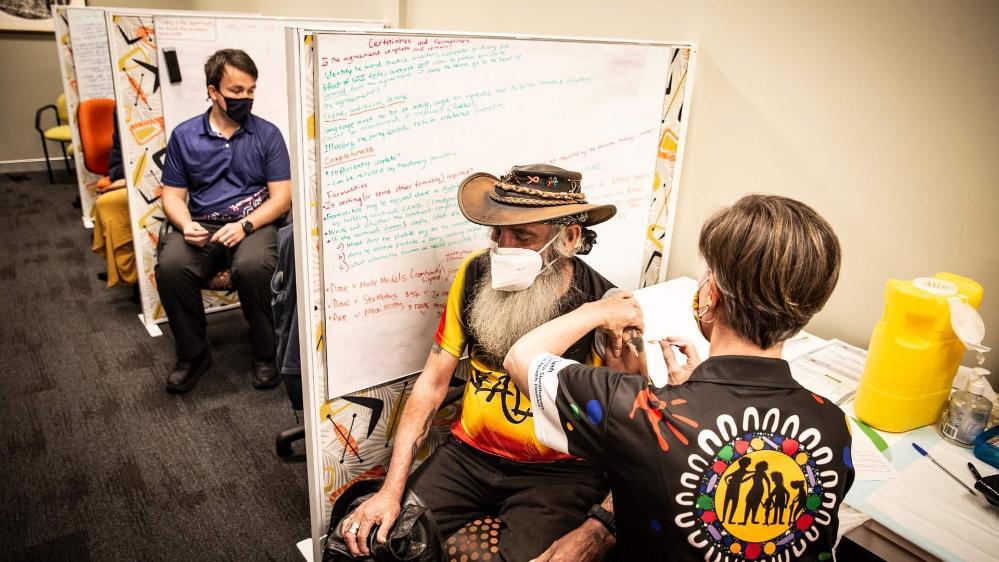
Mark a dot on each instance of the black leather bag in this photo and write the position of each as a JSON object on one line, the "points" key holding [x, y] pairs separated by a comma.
{"points": [[414, 536]]}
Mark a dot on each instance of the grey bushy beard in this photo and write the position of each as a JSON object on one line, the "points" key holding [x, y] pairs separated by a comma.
{"points": [[499, 318]]}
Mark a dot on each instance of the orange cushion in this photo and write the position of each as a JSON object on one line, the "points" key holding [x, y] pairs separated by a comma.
{"points": [[96, 121]]}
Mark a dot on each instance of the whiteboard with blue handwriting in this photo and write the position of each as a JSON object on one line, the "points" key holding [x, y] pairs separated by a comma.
{"points": [[402, 118]]}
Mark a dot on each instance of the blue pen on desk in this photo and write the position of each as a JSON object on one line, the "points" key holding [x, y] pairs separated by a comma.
{"points": [[923, 452]]}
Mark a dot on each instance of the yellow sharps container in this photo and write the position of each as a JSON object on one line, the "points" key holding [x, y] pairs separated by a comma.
{"points": [[914, 353]]}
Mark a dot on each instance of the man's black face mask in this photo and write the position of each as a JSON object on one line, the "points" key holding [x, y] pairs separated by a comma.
{"points": [[238, 109]]}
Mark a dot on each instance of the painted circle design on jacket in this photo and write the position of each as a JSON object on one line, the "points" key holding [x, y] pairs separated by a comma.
{"points": [[760, 489]]}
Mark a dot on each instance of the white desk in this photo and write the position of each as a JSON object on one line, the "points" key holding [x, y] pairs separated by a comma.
{"points": [[924, 505]]}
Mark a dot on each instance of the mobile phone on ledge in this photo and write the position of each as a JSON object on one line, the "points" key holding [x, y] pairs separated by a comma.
{"points": [[172, 67]]}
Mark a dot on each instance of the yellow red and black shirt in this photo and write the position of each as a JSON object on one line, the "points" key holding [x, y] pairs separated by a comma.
{"points": [[496, 417], [739, 463]]}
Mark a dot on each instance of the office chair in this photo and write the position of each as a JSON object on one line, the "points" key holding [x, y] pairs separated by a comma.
{"points": [[60, 133], [95, 118]]}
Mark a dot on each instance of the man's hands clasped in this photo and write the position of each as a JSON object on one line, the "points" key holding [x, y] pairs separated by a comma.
{"points": [[196, 235], [229, 235]]}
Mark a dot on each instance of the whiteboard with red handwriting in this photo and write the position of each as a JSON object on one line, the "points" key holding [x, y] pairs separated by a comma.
{"points": [[403, 118]]}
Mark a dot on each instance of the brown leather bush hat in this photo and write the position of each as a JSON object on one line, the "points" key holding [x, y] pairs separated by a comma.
{"points": [[528, 194]]}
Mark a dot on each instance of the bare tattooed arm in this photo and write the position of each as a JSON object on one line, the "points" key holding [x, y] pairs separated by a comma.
{"points": [[423, 435], [380, 510], [418, 416]]}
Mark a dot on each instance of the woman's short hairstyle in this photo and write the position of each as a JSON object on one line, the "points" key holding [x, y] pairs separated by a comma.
{"points": [[236, 58], [775, 262]]}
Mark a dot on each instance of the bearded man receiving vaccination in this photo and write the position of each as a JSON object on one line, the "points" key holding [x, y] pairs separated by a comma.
{"points": [[549, 502]]}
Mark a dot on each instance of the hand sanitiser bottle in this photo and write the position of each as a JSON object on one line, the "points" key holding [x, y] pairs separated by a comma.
{"points": [[967, 412]]}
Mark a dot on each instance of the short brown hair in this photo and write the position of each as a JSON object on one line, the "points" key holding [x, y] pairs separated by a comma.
{"points": [[236, 58], [775, 262]]}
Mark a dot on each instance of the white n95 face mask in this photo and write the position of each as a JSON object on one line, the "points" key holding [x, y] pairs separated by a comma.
{"points": [[515, 269]]}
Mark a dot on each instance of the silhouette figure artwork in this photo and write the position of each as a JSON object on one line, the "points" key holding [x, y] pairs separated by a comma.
{"points": [[734, 481], [777, 501], [800, 499], [758, 497], [754, 499]]}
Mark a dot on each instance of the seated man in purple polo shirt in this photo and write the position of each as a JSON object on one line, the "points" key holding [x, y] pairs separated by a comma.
{"points": [[226, 182]]}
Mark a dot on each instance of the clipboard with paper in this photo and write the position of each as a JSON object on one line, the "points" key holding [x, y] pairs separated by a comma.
{"points": [[667, 312]]}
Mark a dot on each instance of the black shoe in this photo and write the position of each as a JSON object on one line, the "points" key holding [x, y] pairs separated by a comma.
{"points": [[265, 374], [185, 375]]}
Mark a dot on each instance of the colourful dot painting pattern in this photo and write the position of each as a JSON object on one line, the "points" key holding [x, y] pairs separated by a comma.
{"points": [[763, 491], [594, 412], [757, 497]]}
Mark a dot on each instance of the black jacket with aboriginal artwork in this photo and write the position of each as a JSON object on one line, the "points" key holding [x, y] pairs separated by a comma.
{"points": [[740, 461]]}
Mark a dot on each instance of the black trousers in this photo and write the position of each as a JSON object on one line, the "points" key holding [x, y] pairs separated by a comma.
{"points": [[182, 269], [537, 502]]}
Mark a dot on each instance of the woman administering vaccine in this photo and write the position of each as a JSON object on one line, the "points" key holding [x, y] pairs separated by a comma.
{"points": [[708, 468]]}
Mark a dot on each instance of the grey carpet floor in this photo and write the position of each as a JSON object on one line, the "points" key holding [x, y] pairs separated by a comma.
{"points": [[99, 462]]}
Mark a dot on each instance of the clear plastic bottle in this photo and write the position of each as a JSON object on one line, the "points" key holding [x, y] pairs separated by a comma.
{"points": [[967, 413]]}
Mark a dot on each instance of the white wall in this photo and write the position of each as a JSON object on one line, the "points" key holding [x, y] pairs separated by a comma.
{"points": [[386, 10], [882, 115]]}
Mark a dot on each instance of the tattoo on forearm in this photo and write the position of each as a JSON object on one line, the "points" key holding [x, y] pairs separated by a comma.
{"points": [[423, 434]]}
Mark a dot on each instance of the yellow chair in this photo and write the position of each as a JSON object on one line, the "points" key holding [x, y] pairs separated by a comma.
{"points": [[59, 133]]}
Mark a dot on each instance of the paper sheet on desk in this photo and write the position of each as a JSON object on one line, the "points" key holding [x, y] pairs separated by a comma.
{"points": [[801, 344], [667, 312], [832, 371], [868, 462], [928, 508]]}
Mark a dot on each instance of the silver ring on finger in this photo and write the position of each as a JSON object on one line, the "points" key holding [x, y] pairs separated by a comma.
{"points": [[353, 528]]}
